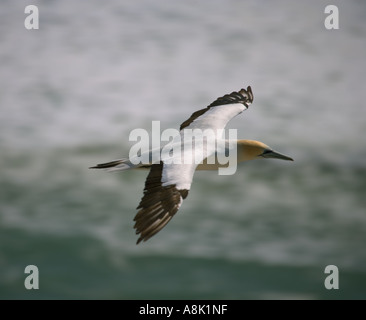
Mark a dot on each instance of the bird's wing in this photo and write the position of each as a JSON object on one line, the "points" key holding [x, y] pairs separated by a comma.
{"points": [[165, 188], [220, 112], [168, 183]]}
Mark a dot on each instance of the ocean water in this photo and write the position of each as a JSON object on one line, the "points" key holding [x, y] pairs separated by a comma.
{"points": [[72, 91]]}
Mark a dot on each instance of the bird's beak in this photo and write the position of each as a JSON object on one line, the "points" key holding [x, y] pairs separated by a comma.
{"points": [[275, 155]]}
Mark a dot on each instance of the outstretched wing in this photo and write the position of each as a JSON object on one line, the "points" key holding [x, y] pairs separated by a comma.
{"points": [[221, 111], [165, 188]]}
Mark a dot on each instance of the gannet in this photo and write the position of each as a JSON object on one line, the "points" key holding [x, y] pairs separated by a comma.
{"points": [[168, 184]]}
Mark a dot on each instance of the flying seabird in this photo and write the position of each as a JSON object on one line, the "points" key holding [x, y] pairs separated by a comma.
{"points": [[168, 182]]}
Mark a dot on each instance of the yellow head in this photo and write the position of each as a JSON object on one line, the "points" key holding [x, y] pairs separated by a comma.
{"points": [[251, 149]]}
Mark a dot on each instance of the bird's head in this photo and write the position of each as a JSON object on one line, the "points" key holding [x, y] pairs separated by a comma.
{"points": [[251, 149]]}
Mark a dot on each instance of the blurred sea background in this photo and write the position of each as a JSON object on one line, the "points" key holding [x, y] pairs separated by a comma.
{"points": [[72, 91]]}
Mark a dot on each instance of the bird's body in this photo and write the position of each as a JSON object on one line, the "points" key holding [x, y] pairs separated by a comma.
{"points": [[170, 178]]}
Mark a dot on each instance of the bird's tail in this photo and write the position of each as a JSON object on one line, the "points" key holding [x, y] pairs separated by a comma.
{"points": [[120, 164]]}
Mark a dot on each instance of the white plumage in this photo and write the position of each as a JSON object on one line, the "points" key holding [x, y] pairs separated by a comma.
{"points": [[170, 179]]}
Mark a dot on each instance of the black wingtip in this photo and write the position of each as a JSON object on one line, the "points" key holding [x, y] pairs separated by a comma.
{"points": [[98, 166], [248, 94], [106, 165]]}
